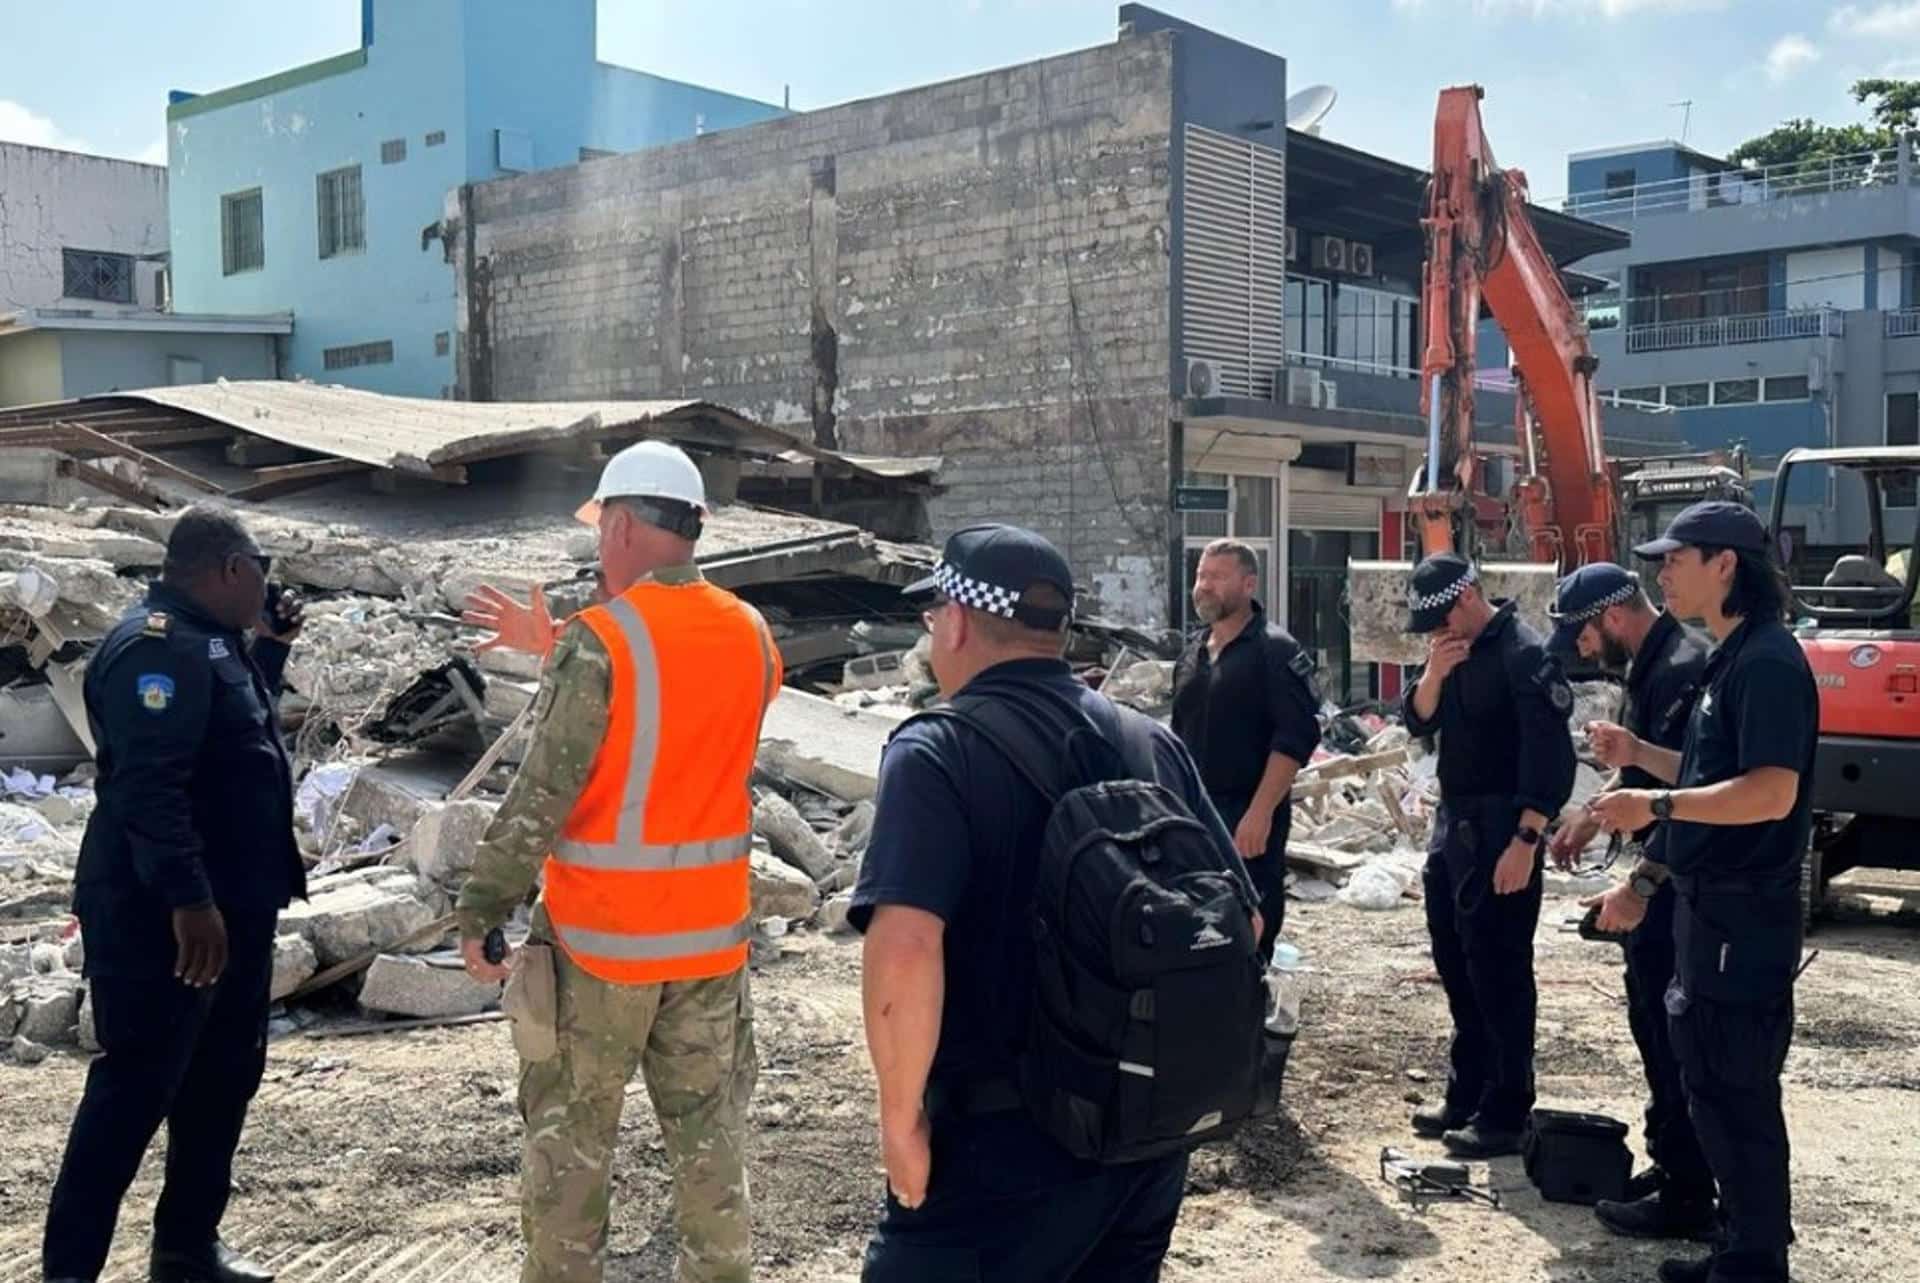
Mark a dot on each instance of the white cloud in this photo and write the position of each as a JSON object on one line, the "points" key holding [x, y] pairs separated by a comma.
{"points": [[1789, 54], [154, 153], [19, 125], [1895, 20], [1608, 9]]}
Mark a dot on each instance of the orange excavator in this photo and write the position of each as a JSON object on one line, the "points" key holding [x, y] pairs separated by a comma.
{"points": [[1564, 510], [1481, 245]]}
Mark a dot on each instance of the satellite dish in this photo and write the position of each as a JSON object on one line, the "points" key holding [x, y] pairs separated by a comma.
{"points": [[1306, 109]]}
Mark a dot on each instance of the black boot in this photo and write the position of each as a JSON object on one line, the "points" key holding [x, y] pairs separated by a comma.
{"points": [[1431, 1121], [1478, 1140], [1678, 1271], [1658, 1215], [214, 1263], [1650, 1181]]}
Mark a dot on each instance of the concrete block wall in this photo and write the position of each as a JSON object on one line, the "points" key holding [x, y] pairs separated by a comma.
{"points": [[976, 269]]}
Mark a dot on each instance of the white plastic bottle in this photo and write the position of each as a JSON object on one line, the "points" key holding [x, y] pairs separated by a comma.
{"points": [[1286, 983]]}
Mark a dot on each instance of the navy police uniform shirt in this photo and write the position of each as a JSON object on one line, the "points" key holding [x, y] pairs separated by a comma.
{"points": [[958, 832], [1663, 682], [1255, 700], [1502, 721], [195, 790], [1736, 928], [1759, 708]]}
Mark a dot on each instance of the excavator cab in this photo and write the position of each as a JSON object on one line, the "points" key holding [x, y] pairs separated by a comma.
{"points": [[1857, 622]]}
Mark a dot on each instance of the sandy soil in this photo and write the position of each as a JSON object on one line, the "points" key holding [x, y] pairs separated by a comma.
{"points": [[394, 1157]]}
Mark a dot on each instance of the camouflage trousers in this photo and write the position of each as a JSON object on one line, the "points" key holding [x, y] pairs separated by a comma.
{"points": [[693, 1043]]}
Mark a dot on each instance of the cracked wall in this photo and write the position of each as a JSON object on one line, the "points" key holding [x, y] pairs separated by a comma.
{"points": [[975, 269], [51, 200]]}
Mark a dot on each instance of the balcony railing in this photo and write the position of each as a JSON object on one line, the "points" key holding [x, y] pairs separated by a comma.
{"points": [[1722, 331], [1747, 186], [1904, 324]]}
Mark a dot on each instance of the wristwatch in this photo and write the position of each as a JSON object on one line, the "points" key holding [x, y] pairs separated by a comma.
{"points": [[1528, 834], [1663, 806], [1643, 886]]}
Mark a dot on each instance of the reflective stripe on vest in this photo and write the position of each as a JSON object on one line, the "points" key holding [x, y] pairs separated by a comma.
{"points": [[639, 948]]}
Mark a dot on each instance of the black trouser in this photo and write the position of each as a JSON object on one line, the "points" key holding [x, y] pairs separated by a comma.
{"points": [[1731, 1055], [1006, 1204], [190, 1058], [1483, 950], [1269, 872], [1671, 1142]]}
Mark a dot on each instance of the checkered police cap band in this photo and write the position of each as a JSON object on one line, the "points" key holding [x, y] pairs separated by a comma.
{"points": [[1444, 595], [1618, 597], [974, 593]]}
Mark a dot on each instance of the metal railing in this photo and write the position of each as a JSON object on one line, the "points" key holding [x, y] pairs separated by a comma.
{"points": [[1884, 168], [1722, 331], [1904, 324]]}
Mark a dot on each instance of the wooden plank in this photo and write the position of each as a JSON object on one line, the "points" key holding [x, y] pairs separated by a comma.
{"points": [[112, 445], [1340, 767], [270, 482], [400, 1026], [1322, 861], [101, 479]]}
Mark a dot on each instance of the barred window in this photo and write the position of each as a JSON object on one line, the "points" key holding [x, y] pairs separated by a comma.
{"points": [[242, 241], [393, 151], [345, 358], [343, 213], [436, 137], [92, 274]]}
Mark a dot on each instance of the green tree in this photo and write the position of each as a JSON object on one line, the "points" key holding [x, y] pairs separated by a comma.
{"points": [[1895, 104]]}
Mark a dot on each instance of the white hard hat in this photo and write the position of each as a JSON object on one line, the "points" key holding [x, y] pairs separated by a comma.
{"points": [[648, 470]]}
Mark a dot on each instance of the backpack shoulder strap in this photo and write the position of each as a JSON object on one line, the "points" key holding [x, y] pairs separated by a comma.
{"points": [[1136, 744], [1013, 737]]}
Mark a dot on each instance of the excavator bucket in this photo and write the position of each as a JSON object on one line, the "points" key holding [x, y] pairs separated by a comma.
{"points": [[1377, 604]]}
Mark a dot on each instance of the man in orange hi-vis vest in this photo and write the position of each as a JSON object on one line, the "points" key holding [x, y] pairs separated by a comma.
{"points": [[633, 807]]}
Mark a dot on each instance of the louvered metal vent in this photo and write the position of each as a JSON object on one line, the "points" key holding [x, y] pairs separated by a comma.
{"points": [[1234, 271]]}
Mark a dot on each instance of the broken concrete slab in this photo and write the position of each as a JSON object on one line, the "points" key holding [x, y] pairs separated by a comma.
{"points": [[779, 889], [836, 912], [398, 792], [28, 1052], [42, 1009], [790, 836], [348, 914], [294, 962], [419, 987], [820, 744], [441, 846]]}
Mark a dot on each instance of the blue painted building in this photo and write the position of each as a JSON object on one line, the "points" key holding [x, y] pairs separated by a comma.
{"points": [[1780, 307], [318, 191]]}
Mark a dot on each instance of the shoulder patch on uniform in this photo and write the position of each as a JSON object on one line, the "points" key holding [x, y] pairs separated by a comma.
{"points": [[155, 691], [1301, 663], [217, 648], [158, 622], [1549, 678]]}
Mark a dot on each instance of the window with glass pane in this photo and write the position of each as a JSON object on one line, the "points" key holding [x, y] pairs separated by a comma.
{"points": [[1687, 396], [343, 212], [1314, 334], [1649, 394], [1206, 525], [1789, 387], [1736, 391], [1346, 307], [242, 240], [1253, 507]]}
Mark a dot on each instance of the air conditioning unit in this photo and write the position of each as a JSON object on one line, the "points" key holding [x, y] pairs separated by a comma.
{"points": [[1303, 386], [1202, 379], [1359, 259], [1329, 398], [1329, 254], [1293, 245]]}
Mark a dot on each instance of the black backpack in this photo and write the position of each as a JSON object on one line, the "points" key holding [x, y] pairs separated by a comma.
{"points": [[1146, 1032]]}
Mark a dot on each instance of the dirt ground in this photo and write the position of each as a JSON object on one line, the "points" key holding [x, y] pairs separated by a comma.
{"points": [[393, 1158]]}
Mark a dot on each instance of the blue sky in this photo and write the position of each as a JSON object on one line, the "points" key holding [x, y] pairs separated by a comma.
{"points": [[1561, 75]]}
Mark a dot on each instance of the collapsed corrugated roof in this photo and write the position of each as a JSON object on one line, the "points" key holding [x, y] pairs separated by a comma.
{"points": [[416, 434]]}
